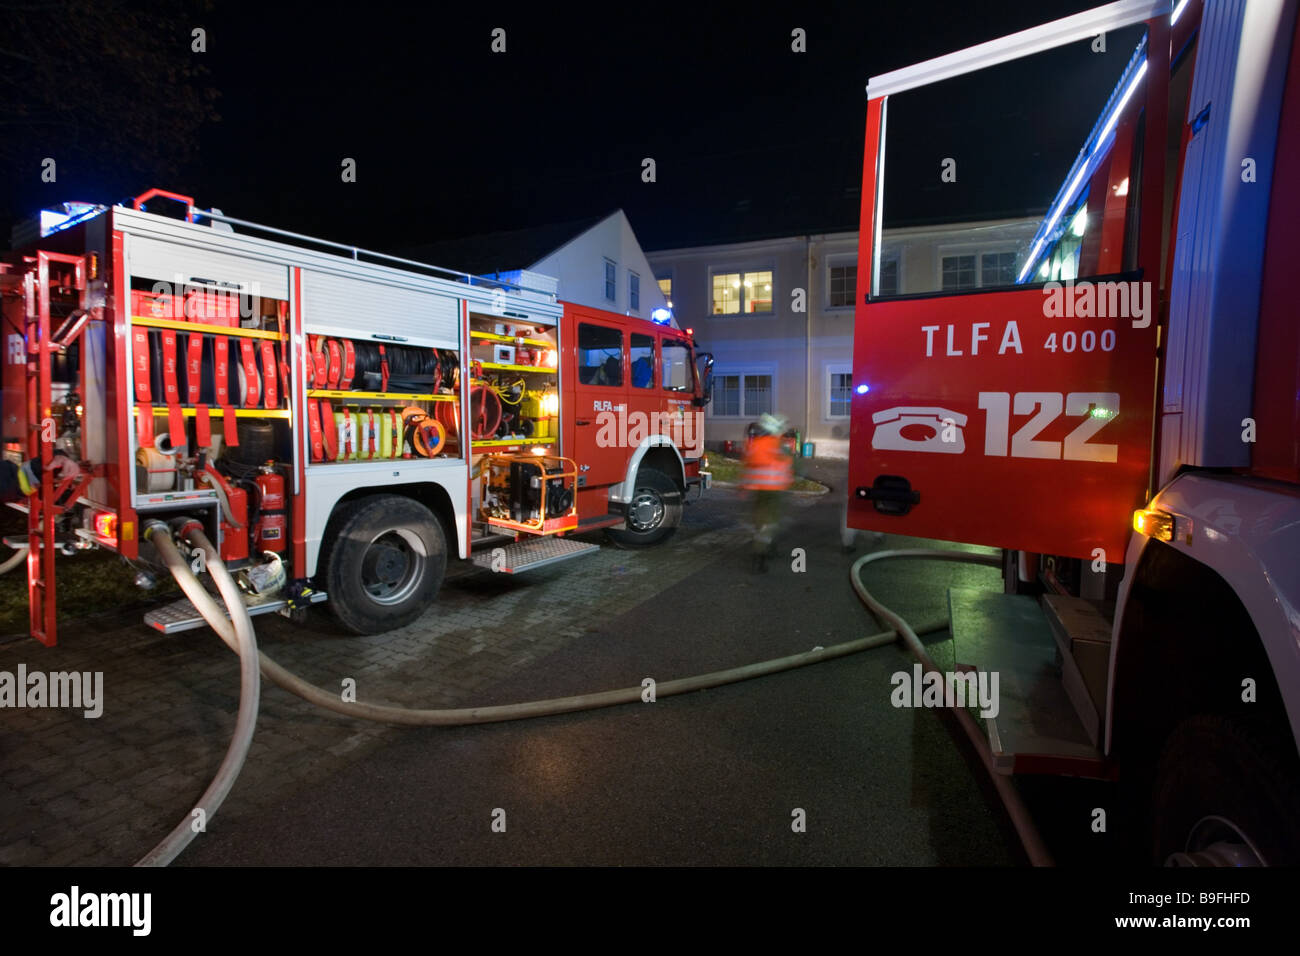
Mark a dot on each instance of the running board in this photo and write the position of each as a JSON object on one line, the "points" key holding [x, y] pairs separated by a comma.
{"points": [[533, 553], [1036, 728], [183, 616]]}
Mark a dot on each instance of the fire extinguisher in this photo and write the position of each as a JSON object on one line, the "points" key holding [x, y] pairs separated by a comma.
{"points": [[269, 530]]}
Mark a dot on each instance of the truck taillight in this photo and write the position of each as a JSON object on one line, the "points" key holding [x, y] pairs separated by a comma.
{"points": [[106, 525], [1154, 524]]}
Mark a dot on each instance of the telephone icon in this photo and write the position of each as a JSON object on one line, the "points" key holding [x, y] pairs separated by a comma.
{"points": [[911, 428]]}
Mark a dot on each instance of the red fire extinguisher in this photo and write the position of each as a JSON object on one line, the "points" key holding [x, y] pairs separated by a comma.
{"points": [[269, 531]]}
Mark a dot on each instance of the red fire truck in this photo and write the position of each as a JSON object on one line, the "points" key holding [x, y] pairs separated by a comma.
{"points": [[1119, 411], [338, 419]]}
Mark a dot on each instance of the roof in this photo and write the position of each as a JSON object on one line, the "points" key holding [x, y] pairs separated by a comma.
{"points": [[506, 251]]}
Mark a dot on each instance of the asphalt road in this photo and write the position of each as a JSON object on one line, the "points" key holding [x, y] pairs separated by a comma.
{"points": [[714, 777]]}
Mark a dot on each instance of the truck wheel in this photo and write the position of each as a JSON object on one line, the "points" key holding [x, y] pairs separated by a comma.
{"points": [[1224, 796], [383, 563], [653, 514]]}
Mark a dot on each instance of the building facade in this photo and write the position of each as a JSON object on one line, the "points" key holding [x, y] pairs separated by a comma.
{"points": [[777, 314]]}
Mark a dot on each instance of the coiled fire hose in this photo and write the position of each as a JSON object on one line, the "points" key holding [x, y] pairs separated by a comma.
{"points": [[245, 645]]}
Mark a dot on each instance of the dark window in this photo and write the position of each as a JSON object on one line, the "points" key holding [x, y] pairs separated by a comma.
{"points": [[726, 395], [611, 287], [998, 268], [889, 277], [958, 272], [634, 292], [844, 282], [643, 360], [600, 355]]}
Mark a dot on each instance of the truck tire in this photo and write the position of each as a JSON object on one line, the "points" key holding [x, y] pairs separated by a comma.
{"points": [[653, 514], [1224, 795], [382, 563]]}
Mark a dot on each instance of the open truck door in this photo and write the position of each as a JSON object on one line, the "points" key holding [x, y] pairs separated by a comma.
{"points": [[1004, 366]]}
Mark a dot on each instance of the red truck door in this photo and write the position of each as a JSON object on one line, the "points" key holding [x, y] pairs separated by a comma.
{"points": [[1017, 413], [598, 368]]}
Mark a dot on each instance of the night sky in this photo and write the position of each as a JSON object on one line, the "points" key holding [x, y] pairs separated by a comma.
{"points": [[450, 139]]}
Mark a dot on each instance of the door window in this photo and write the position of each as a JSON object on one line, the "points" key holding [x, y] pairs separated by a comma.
{"points": [[600, 355]]}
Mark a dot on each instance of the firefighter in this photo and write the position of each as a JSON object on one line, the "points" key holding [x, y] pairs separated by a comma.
{"points": [[769, 472], [18, 481]]}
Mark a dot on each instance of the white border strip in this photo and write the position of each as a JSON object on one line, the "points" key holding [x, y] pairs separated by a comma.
{"points": [[1081, 26]]}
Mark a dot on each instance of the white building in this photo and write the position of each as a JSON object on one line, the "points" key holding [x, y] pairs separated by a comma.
{"points": [[777, 314], [597, 262]]}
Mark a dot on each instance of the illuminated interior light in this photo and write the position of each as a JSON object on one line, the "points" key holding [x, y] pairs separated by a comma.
{"points": [[1066, 197], [1080, 221], [1122, 188]]}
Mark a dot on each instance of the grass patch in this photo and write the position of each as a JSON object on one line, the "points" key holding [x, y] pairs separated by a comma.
{"points": [[86, 584], [732, 470]]}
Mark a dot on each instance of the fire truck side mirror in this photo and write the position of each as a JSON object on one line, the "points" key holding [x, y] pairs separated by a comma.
{"points": [[704, 374]]}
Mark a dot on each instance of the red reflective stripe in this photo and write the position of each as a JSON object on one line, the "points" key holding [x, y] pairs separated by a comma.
{"points": [[370, 427], [316, 363], [313, 426], [202, 427], [329, 431], [144, 427], [231, 431], [252, 390], [171, 388], [194, 369], [175, 426], [221, 370], [140, 358], [383, 369], [349, 365], [334, 363], [272, 399]]}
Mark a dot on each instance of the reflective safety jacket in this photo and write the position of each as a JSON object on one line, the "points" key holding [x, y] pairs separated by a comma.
{"points": [[767, 466]]}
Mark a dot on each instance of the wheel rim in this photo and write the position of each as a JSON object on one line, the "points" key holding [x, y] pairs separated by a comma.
{"points": [[1217, 841], [646, 511], [393, 566]]}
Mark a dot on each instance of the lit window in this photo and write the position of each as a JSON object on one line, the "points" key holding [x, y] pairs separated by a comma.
{"points": [[666, 286], [839, 394], [741, 292]]}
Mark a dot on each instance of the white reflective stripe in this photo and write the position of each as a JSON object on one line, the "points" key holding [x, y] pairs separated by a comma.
{"points": [[1081, 26]]}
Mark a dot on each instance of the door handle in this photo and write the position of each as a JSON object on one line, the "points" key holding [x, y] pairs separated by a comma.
{"points": [[582, 421]]}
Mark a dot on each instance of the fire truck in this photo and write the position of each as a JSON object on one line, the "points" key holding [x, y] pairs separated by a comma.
{"points": [[339, 420], [1118, 410]]}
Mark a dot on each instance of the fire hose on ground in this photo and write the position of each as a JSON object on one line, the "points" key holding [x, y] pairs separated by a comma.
{"points": [[237, 633]]}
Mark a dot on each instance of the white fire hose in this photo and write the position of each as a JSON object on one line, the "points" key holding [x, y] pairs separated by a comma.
{"points": [[239, 637]]}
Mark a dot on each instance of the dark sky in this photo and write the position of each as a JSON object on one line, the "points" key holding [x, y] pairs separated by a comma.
{"points": [[451, 139]]}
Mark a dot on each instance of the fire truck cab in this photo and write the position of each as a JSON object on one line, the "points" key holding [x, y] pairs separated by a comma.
{"points": [[337, 420], [1112, 397]]}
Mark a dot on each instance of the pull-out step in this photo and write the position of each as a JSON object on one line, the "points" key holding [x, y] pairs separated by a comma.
{"points": [[1036, 729], [183, 616], [530, 553]]}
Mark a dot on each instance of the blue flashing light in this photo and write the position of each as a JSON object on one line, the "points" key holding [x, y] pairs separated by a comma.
{"points": [[863, 389], [661, 316]]}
